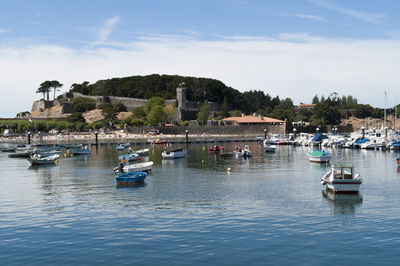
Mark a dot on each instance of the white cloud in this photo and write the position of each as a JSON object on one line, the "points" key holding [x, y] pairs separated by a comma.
{"points": [[371, 17], [3, 30], [105, 31], [280, 66], [305, 16]]}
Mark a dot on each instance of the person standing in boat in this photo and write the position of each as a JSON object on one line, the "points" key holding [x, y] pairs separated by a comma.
{"points": [[129, 149]]}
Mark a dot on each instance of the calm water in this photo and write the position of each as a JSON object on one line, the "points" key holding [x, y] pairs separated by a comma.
{"points": [[268, 210]]}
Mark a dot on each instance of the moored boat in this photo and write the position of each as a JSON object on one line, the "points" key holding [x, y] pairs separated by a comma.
{"points": [[129, 157], [341, 179], [269, 146], [243, 153], [21, 154], [81, 151], [130, 179], [122, 146], [137, 167], [142, 152], [319, 156], [173, 154], [37, 159], [159, 141], [216, 148]]}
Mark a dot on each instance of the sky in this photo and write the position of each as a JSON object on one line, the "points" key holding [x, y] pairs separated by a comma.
{"points": [[289, 48]]}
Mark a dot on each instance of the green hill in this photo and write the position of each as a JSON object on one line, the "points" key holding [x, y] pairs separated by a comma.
{"points": [[198, 90]]}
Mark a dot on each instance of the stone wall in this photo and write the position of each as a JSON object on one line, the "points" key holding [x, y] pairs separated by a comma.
{"points": [[213, 130]]}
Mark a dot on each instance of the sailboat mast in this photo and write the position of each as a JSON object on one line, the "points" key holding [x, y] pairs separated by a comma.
{"points": [[384, 116]]}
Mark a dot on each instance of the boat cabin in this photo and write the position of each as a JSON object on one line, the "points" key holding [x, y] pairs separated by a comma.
{"points": [[343, 171]]}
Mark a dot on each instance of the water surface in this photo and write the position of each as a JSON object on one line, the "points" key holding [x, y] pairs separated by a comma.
{"points": [[269, 209]]}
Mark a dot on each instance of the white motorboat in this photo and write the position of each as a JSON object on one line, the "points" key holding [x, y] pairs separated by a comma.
{"points": [[122, 146], [81, 151], [341, 178], [245, 153], [319, 156], [137, 167], [142, 152], [173, 154], [269, 146], [37, 159]]}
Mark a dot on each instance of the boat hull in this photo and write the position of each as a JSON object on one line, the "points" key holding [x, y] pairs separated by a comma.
{"points": [[319, 159], [173, 155], [130, 179], [44, 160], [342, 186]]}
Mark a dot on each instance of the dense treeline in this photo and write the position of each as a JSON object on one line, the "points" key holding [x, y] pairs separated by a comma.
{"points": [[164, 86]]}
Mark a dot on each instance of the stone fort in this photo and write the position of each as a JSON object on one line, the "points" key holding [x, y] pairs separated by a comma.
{"points": [[185, 110]]}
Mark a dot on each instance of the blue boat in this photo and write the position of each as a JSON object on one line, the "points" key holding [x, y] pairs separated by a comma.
{"points": [[129, 157], [130, 179]]}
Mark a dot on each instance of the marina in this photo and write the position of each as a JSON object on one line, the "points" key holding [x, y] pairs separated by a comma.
{"points": [[192, 210]]}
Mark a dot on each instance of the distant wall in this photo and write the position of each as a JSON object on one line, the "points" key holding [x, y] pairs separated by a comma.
{"points": [[214, 130]]}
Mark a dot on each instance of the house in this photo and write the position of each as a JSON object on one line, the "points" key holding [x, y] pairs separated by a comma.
{"points": [[251, 120]]}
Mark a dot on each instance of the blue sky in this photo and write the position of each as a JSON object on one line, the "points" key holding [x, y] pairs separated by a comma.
{"points": [[288, 48]]}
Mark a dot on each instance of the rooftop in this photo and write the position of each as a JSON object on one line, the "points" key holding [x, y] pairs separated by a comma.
{"points": [[253, 119]]}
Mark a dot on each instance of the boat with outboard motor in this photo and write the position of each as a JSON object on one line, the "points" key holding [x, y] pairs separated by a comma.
{"points": [[137, 167], [341, 178]]}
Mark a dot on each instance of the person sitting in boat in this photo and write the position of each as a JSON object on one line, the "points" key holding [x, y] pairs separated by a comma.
{"points": [[121, 167]]}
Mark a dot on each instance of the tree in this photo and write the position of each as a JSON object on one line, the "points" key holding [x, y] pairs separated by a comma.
{"points": [[156, 115], [325, 114], [169, 111], [224, 109], [45, 89], [55, 85], [315, 99], [238, 113], [363, 111], [284, 110], [202, 116], [138, 113], [76, 118], [153, 102]]}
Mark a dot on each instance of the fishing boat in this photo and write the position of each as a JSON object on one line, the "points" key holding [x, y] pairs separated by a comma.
{"points": [[81, 151], [173, 154], [122, 146], [129, 157], [216, 148], [130, 179], [319, 156], [269, 146], [341, 178], [37, 159], [159, 141], [243, 153], [44, 152], [142, 152], [137, 167]]}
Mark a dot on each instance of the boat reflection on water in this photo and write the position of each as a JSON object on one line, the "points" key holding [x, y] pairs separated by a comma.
{"points": [[343, 203]]}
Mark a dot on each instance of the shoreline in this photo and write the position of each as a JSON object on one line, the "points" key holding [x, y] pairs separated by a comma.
{"points": [[114, 138]]}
